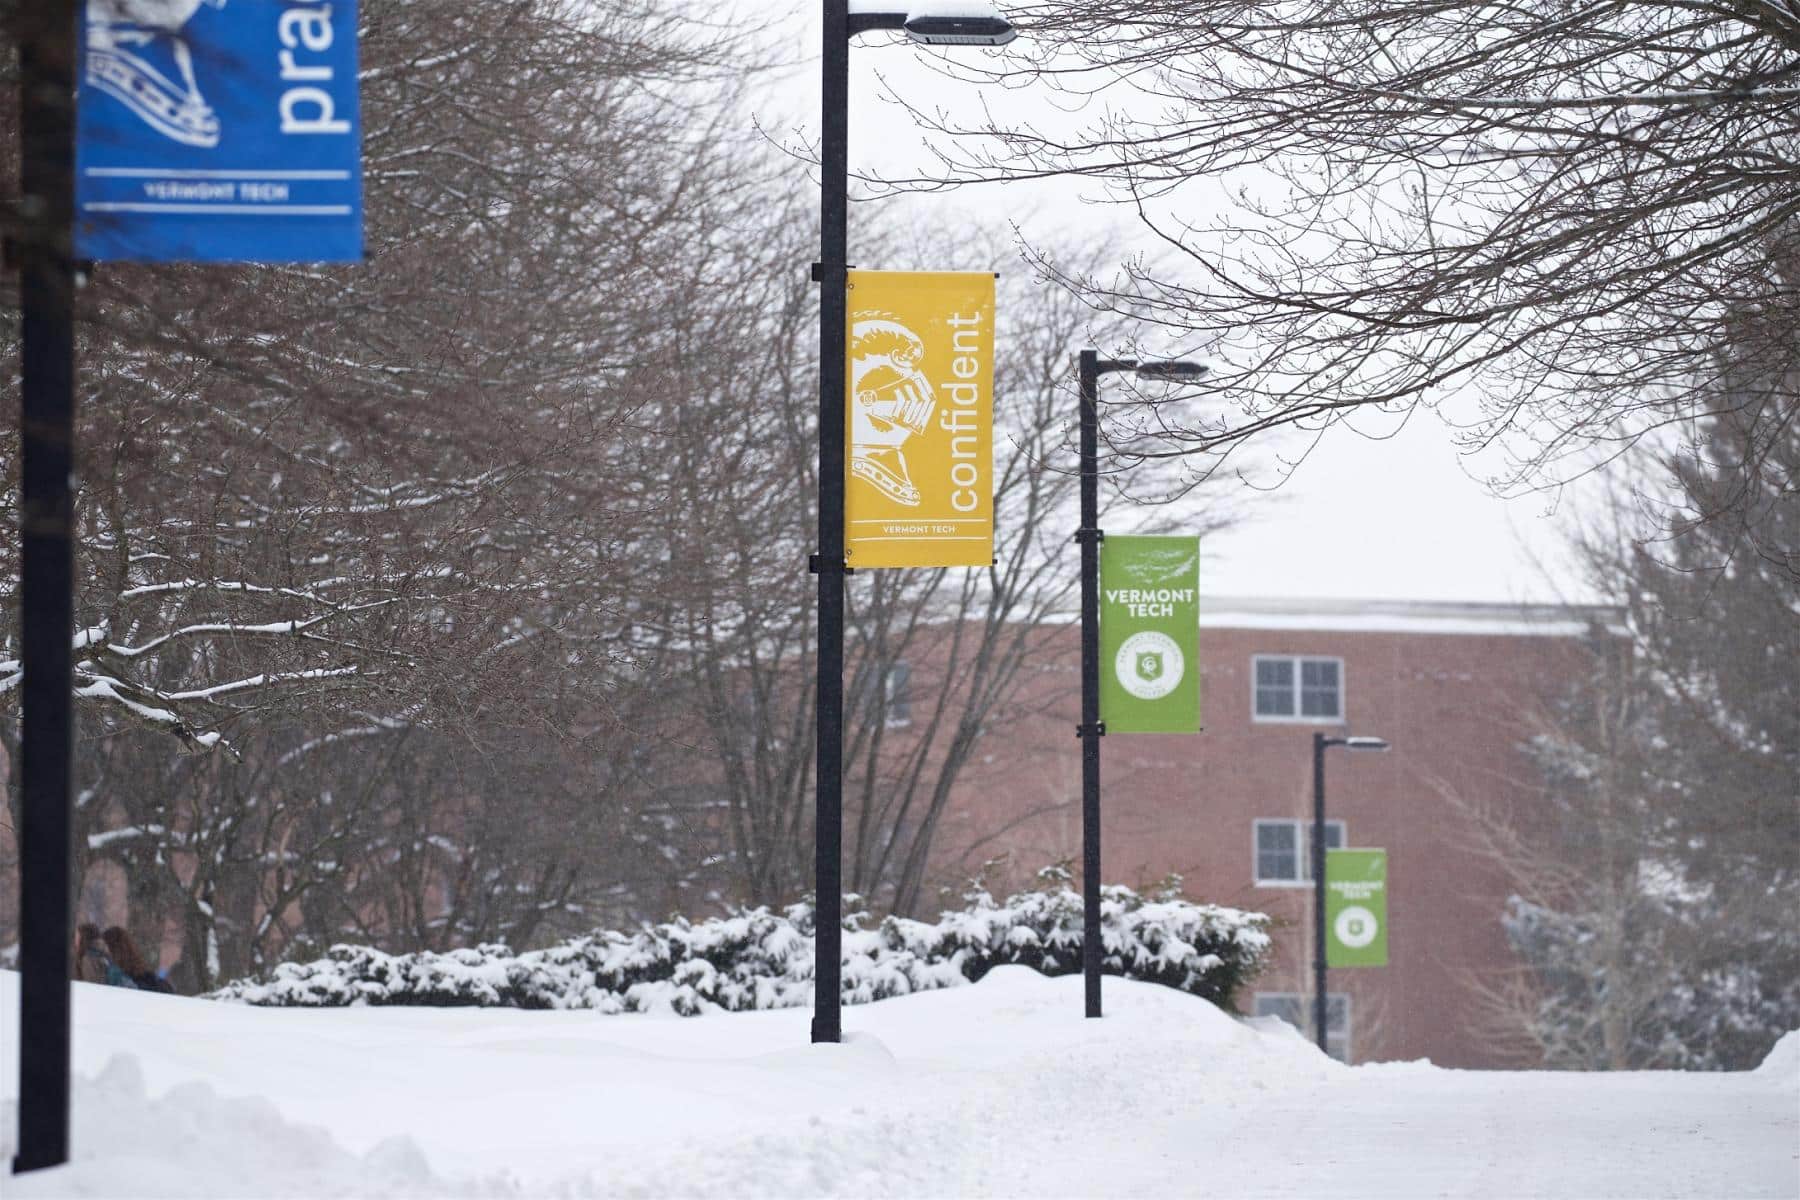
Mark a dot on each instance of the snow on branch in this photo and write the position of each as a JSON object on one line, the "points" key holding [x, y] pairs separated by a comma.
{"points": [[375, 728], [218, 585], [253, 682], [119, 693], [296, 628], [131, 833]]}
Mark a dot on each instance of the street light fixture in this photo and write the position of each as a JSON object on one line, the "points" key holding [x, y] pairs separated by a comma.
{"points": [[1321, 743], [957, 22], [1177, 369], [1091, 728], [937, 29]]}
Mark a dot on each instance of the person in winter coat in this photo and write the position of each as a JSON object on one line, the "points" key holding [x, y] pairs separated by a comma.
{"points": [[125, 956], [92, 963]]}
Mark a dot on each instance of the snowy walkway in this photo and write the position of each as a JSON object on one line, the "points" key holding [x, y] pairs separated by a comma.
{"points": [[998, 1089]]}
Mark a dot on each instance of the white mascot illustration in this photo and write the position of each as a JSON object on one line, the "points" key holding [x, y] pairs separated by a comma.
{"points": [[137, 54], [890, 400]]}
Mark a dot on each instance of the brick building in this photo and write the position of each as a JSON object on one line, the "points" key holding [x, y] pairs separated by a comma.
{"points": [[1453, 687]]}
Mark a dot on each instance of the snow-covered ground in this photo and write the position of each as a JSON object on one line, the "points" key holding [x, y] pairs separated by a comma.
{"points": [[1000, 1088]]}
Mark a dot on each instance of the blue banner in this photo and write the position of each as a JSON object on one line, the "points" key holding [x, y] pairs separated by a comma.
{"points": [[218, 131]]}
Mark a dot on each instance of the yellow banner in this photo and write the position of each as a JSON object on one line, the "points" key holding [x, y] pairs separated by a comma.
{"points": [[919, 482]]}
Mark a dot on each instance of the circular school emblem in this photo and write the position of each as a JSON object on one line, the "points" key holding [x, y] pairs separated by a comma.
{"points": [[1149, 665], [1356, 927]]}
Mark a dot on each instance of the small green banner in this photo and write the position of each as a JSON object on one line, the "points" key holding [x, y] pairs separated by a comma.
{"points": [[1150, 634], [1356, 908]]}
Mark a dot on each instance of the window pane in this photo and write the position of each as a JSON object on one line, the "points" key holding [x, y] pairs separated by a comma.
{"points": [[1319, 688], [1274, 687], [1276, 851], [1274, 673], [1318, 704], [899, 701]]}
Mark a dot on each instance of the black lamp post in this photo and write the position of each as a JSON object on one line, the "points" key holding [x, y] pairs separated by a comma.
{"points": [[1321, 743], [977, 27], [43, 254], [1091, 728]]}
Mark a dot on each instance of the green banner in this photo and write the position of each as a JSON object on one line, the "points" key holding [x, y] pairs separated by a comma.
{"points": [[1356, 908], [1150, 634]]}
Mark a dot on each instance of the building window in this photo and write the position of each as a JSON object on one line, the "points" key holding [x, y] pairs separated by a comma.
{"points": [[898, 711], [892, 705], [1297, 1010], [1284, 850], [1292, 688]]}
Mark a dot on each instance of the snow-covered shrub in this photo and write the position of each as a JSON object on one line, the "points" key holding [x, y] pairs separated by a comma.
{"points": [[755, 958]]}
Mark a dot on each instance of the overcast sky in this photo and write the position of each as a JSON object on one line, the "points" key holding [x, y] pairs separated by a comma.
{"points": [[1397, 515]]}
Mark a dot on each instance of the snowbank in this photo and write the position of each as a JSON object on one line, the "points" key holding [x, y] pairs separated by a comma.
{"points": [[232, 1100], [757, 959], [1782, 1062], [193, 1142], [999, 1089]]}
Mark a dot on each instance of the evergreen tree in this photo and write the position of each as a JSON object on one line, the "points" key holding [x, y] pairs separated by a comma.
{"points": [[1673, 941]]}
